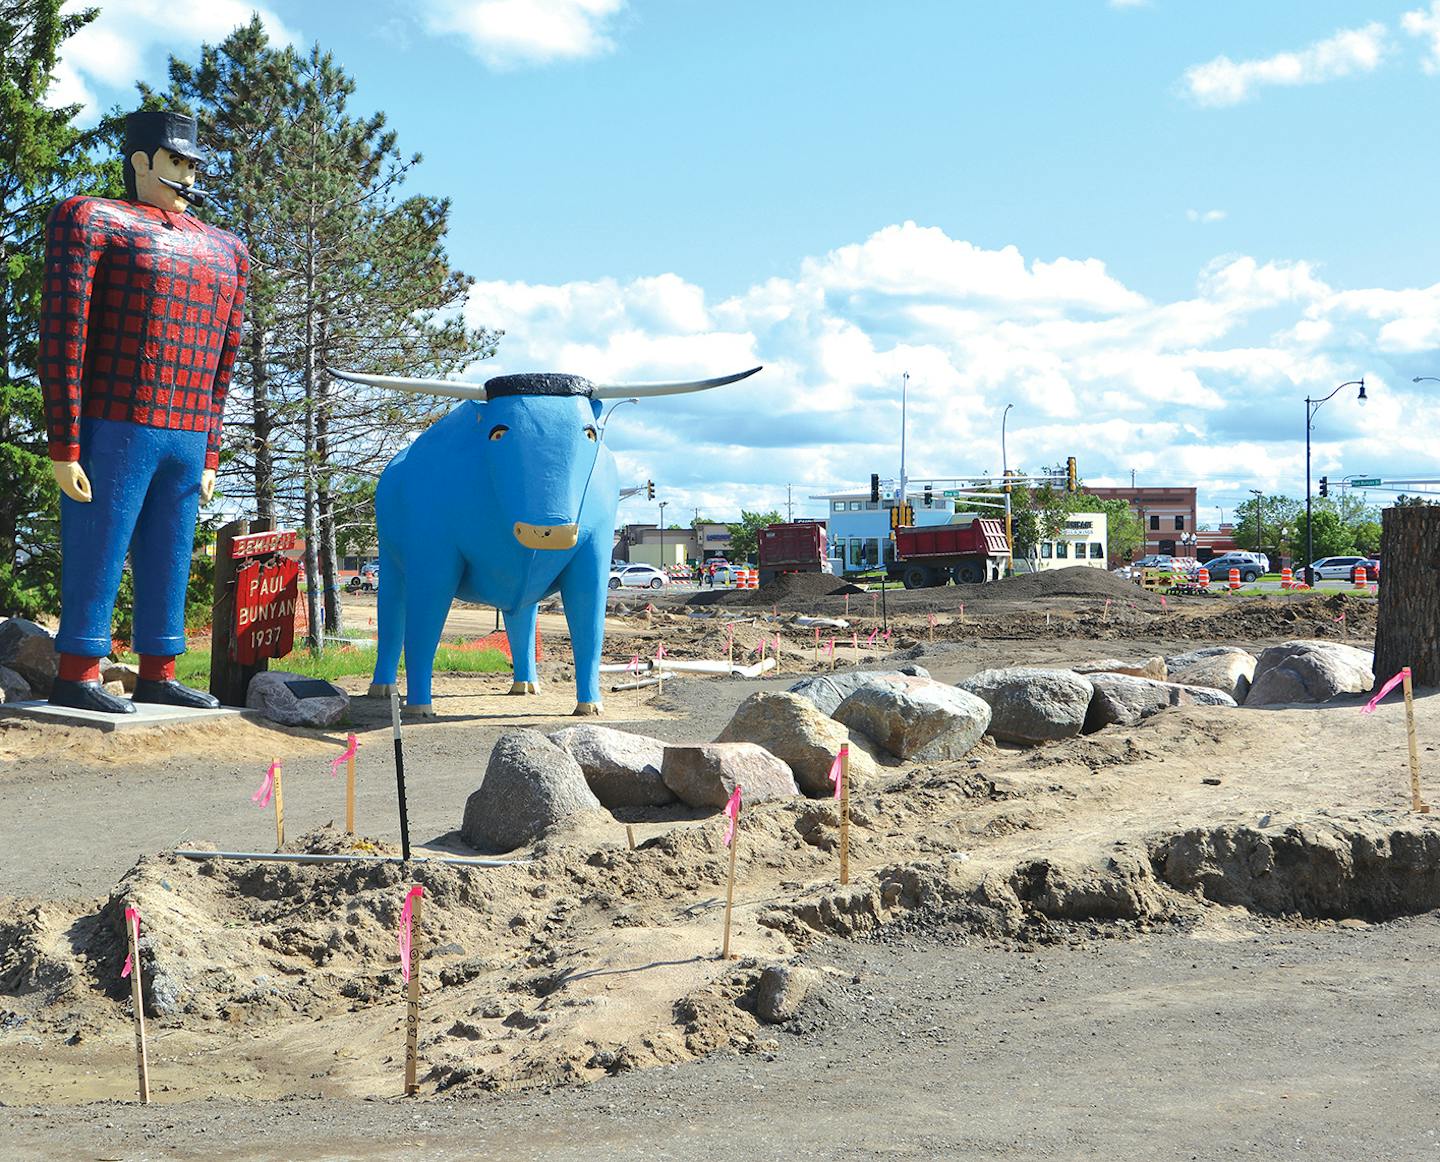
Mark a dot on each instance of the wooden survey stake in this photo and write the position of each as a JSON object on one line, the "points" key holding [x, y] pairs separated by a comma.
{"points": [[137, 1000], [350, 793], [630, 836], [1416, 803], [845, 814], [732, 840], [279, 809], [412, 1001]]}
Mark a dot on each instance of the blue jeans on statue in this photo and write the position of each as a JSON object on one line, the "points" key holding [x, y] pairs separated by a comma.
{"points": [[145, 484]]}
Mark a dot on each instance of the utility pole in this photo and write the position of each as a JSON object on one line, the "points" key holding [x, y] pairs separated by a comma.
{"points": [[789, 506], [1132, 478], [904, 399]]}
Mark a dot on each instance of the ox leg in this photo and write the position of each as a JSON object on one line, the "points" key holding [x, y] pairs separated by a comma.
{"points": [[582, 588], [426, 606], [520, 630], [390, 627]]}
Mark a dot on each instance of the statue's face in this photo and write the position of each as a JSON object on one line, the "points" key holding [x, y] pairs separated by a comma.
{"points": [[148, 186]]}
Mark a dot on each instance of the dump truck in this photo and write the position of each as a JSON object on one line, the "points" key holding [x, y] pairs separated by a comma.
{"points": [[934, 554], [798, 547]]}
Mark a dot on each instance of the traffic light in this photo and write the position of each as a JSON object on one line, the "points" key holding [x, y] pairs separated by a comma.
{"points": [[649, 490], [1072, 480], [1324, 486], [929, 495], [874, 487], [902, 514]]}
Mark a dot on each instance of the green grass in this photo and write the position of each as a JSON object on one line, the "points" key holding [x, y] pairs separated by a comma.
{"points": [[337, 661]]}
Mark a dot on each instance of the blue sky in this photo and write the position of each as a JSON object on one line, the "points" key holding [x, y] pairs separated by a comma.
{"points": [[1153, 227]]}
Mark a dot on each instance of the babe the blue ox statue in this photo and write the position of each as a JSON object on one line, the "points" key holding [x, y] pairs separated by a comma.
{"points": [[508, 499]]}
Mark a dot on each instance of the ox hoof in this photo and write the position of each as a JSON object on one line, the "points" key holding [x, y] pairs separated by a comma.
{"points": [[525, 688], [381, 689], [419, 710], [586, 709]]}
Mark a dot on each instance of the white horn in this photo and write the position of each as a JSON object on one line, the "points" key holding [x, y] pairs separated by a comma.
{"points": [[619, 390], [450, 387]]}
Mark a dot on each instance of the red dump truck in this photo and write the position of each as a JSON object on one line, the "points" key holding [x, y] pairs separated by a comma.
{"points": [[934, 554], [792, 548]]}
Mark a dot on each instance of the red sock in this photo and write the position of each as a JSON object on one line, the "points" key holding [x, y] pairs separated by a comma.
{"points": [[154, 668], [74, 668]]}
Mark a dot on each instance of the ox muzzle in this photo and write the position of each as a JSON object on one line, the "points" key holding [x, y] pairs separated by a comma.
{"points": [[547, 536]]}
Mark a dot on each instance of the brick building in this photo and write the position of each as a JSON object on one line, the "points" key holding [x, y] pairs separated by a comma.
{"points": [[1167, 516]]}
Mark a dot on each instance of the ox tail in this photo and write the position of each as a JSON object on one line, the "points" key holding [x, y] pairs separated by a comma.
{"points": [[390, 619]]}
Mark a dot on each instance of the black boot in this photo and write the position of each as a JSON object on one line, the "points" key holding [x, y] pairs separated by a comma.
{"points": [[88, 695], [168, 692]]}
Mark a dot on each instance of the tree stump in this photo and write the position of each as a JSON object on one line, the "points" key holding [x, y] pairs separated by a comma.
{"points": [[1407, 632]]}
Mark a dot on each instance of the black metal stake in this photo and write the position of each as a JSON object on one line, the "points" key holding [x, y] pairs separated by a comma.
{"points": [[884, 610], [400, 775]]}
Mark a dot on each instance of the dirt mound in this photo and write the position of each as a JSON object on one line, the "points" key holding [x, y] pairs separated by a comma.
{"points": [[787, 589], [1075, 581]]}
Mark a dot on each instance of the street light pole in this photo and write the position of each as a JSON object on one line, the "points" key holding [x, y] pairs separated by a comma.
{"points": [[1005, 471], [663, 503], [904, 401], [1311, 407], [1259, 517]]}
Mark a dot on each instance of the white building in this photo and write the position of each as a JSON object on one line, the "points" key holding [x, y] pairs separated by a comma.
{"points": [[1081, 542]]}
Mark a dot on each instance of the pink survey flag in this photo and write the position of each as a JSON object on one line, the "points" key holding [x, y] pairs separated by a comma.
{"points": [[634, 663], [261, 797], [931, 616], [874, 633], [132, 916], [1369, 707], [759, 650], [344, 756], [886, 636], [732, 813], [405, 913], [837, 766], [831, 647]]}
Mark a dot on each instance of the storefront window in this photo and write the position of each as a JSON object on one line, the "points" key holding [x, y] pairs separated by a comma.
{"points": [[1097, 551], [1062, 550], [1047, 550]]}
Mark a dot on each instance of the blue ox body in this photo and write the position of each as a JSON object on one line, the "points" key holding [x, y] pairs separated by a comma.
{"points": [[503, 502]]}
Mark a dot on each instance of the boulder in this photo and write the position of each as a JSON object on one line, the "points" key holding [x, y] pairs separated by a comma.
{"points": [[293, 700], [1190, 657], [1153, 668], [704, 775], [782, 990], [1120, 700], [29, 650], [798, 733], [123, 673], [13, 688], [1030, 705], [913, 669], [916, 718], [1309, 671], [622, 769], [829, 690], [530, 785], [1229, 672]]}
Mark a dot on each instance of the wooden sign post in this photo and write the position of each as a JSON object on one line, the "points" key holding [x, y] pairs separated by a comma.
{"points": [[732, 840], [1416, 803], [412, 998], [845, 814], [350, 793], [137, 1001]]}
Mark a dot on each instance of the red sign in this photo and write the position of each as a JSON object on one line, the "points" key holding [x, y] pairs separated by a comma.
{"points": [[265, 600], [263, 544]]}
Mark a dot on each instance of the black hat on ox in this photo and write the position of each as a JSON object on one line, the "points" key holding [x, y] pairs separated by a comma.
{"points": [[152, 131]]}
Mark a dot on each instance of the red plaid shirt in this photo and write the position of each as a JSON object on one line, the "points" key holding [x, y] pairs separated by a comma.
{"points": [[140, 320]]}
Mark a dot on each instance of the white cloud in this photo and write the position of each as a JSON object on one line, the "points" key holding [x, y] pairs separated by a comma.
{"points": [[508, 34], [1094, 368], [1425, 24], [1205, 217], [129, 39], [1223, 81]]}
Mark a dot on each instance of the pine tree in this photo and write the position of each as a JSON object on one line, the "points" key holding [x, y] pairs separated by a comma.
{"points": [[44, 159]]}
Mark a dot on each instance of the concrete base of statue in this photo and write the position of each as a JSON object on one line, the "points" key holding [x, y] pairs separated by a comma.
{"points": [[147, 715]]}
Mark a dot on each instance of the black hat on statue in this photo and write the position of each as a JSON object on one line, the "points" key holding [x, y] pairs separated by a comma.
{"points": [[152, 131]]}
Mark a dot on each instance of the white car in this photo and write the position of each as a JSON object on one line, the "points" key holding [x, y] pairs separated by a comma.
{"points": [[644, 576], [1337, 568]]}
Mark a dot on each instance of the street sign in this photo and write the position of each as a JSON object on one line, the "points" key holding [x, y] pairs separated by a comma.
{"points": [[952, 493], [1368, 482], [265, 599]]}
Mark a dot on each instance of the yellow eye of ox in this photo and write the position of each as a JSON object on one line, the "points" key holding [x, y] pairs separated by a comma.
{"points": [[498, 431]]}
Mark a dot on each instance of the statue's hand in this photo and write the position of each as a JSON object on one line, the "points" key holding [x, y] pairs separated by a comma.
{"points": [[207, 485], [72, 480]]}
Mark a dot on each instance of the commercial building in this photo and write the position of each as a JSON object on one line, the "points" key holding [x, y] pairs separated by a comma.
{"points": [[1166, 514], [1081, 541], [858, 528], [648, 544]]}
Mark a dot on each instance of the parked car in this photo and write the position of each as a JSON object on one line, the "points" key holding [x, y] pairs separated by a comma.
{"points": [[1338, 568], [367, 580], [1153, 561], [1372, 566], [1251, 565], [644, 576]]}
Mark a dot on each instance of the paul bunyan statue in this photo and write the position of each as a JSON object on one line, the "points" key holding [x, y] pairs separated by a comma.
{"points": [[141, 318]]}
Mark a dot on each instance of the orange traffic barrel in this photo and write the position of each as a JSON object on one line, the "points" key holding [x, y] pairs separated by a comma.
{"points": [[1362, 577], [1203, 577], [1287, 577], [1234, 578]]}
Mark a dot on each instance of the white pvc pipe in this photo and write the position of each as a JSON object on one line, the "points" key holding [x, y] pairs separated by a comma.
{"points": [[287, 857]]}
